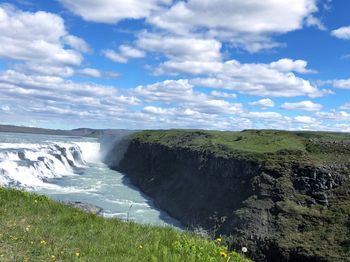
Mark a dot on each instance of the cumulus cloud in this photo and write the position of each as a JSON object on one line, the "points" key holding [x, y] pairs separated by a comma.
{"points": [[90, 72], [76, 43], [181, 93], [342, 33], [124, 54], [341, 83], [263, 103], [38, 94], [185, 54], [223, 94], [289, 65], [38, 41], [112, 11], [247, 23], [305, 120], [260, 80], [303, 105]]}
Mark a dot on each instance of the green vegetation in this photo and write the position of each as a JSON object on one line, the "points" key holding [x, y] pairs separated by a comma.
{"points": [[35, 228], [319, 230], [254, 144]]}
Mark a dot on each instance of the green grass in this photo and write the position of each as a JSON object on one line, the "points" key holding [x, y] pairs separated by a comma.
{"points": [[35, 228], [254, 144]]}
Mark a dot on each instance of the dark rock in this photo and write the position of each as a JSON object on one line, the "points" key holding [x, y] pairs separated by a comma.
{"points": [[276, 211], [21, 155], [85, 207]]}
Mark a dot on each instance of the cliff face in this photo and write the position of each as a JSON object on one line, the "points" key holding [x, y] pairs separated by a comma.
{"points": [[290, 211]]}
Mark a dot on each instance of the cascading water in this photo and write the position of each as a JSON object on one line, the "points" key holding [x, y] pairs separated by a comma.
{"points": [[29, 165], [70, 169]]}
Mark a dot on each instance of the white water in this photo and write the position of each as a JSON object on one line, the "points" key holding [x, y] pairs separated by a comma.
{"points": [[70, 169]]}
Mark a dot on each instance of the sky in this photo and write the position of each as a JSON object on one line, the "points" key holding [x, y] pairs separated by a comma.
{"points": [[160, 64]]}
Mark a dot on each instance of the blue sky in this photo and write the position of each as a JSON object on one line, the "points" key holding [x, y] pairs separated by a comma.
{"points": [[212, 64]]}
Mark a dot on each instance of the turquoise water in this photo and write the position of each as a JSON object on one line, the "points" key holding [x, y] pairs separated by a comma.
{"points": [[71, 169]]}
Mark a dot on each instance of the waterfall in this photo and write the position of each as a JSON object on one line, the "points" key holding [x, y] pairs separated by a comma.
{"points": [[30, 165]]}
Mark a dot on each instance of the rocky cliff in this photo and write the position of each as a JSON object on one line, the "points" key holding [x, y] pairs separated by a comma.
{"points": [[283, 203]]}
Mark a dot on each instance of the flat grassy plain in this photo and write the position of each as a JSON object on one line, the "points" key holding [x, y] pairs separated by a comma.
{"points": [[257, 145], [35, 228]]}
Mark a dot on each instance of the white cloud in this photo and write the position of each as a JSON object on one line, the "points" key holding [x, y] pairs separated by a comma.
{"points": [[305, 120], [223, 94], [124, 54], [334, 115], [303, 105], [114, 56], [186, 54], [259, 80], [181, 93], [346, 106], [342, 32], [77, 43], [263, 103], [289, 65], [112, 11], [314, 21], [5, 108], [37, 40], [248, 23], [341, 83], [54, 95], [90, 72]]}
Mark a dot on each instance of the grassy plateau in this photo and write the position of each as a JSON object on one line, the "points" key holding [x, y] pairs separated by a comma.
{"points": [[258, 145]]}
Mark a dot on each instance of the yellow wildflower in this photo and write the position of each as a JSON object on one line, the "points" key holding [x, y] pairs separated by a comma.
{"points": [[53, 257], [218, 239], [223, 254], [43, 242], [77, 254], [141, 246], [36, 201]]}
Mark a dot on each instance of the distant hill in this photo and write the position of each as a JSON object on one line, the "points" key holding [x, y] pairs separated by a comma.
{"points": [[89, 132]]}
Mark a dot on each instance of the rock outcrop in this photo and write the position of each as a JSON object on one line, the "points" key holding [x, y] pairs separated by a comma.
{"points": [[286, 209]]}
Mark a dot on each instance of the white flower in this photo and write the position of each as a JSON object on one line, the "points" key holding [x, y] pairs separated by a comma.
{"points": [[244, 249]]}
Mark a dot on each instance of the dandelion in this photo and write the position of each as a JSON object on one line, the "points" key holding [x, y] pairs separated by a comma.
{"points": [[77, 254], [244, 249], [218, 239], [223, 254]]}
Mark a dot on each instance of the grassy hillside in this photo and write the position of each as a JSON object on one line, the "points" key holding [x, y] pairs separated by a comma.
{"points": [[255, 144], [34, 228]]}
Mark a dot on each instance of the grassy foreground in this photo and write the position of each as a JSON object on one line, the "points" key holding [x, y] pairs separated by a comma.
{"points": [[35, 228]]}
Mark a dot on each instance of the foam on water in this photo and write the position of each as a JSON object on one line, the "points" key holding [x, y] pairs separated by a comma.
{"points": [[30, 165], [70, 169]]}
